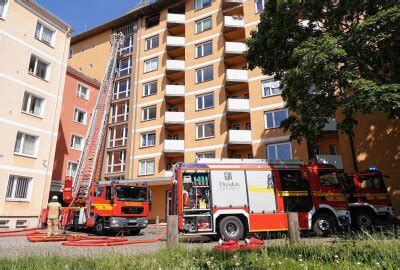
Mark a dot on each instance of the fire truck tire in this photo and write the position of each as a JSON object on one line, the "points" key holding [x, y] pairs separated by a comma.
{"points": [[99, 227], [323, 225], [364, 219], [134, 232], [231, 228]]}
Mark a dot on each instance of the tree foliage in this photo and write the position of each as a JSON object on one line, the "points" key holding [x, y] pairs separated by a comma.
{"points": [[332, 57]]}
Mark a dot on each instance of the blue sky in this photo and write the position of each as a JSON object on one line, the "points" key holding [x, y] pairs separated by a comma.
{"points": [[86, 14]]}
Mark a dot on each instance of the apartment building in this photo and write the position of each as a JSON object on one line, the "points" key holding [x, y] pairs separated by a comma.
{"points": [[187, 93], [79, 101], [34, 48]]}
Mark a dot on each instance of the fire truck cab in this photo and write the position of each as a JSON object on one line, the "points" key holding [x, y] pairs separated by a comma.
{"points": [[368, 197], [110, 206], [231, 198], [330, 204]]}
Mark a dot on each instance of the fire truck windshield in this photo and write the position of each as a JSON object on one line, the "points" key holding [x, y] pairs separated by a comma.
{"points": [[329, 178], [372, 182], [129, 193]]}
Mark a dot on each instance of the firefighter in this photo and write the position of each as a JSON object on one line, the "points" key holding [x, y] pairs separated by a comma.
{"points": [[52, 218]]}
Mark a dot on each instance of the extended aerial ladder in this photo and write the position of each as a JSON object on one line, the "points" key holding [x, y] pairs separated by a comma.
{"points": [[96, 133]]}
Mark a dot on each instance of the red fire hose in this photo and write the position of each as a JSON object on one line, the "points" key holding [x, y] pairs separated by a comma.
{"points": [[22, 232], [110, 241]]}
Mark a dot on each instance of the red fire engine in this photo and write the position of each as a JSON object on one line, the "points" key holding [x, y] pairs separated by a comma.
{"points": [[330, 204], [235, 197], [110, 206], [368, 197]]}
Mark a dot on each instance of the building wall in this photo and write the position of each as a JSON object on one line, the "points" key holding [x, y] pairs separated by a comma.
{"points": [[68, 127], [18, 43]]}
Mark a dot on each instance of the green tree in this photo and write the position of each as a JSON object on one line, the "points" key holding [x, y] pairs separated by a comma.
{"points": [[332, 57]]}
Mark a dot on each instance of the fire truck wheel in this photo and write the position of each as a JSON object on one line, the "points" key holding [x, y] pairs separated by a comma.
{"points": [[323, 225], [134, 232], [363, 220], [231, 228], [99, 227]]}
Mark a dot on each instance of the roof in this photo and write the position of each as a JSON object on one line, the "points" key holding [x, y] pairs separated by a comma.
{"points": [[131, 16], [46, 13], [83, 76]]}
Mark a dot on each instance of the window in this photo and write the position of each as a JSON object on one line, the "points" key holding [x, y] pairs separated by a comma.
{"points": [[147, 139], [117, 136], [205, 155], [279, 151], [19, 188], [271, 88], [203, 25], [205, 101], [274, 119], [146, 167], [151, 42], [128, 46], [329, 178], [152, 21], [71, 52], [21, 224], [72, 167], [4, 224], [39, 68], [205, 130], [149, 88], [44, 34], [80, 116], [200, 4], [3, 8], [149, 113], [119, 112], [116, 161], [332, 149], [204, 74], [260, 4], [76, 142], [26, 144], [122, 89], [32, 104], [124, 67], [150, 65], [204, 49], [83, 92]]}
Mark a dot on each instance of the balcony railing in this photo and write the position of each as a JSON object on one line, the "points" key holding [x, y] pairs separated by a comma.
{"points": [[232, 21], [175, 18], [331, 125], [237, 75], [239, 136], [175, 65], [175, 41], [235, 47], [174, 90], [174, 118], [174, 146], [238, 105], [168, 173], [335, 160]]}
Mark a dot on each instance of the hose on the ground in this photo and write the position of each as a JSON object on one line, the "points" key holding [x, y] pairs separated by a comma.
{"points": [[22, 232], [110, 241]]}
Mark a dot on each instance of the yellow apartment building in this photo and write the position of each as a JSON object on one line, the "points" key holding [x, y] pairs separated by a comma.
{"points": [[183, 90], [34, 47]]}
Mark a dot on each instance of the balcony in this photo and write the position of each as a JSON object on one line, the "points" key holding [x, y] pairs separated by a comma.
{"points": [[174, 118], [175, 90], [331, 126], [236, 75], [235, 47], [175, 41], [173, 18], [239, 136], [175, 65], [168, 173], [236, 105], [233, 22], [174, 146], [335, 160], [231, 3]]}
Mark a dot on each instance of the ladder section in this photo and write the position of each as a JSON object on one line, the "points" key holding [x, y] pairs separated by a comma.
{"points": [[97, 128]]}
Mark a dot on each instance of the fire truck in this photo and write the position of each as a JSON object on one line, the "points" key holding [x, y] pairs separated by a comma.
{"points": [[92, 203], [110, 206], [330, 204], [233, 197], [368, 197]]}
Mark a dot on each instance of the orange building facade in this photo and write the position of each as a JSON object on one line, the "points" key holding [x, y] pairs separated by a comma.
{"points": [[79, 100]]}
